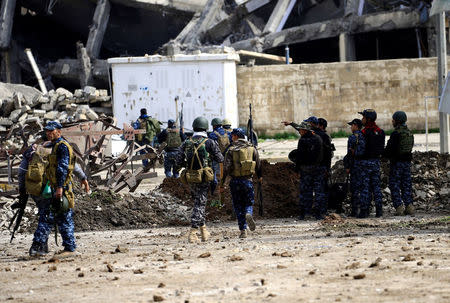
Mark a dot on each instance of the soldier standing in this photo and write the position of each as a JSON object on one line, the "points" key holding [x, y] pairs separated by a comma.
{"points": [[241, 162], [221, 137], [399, 151], [370, 172], [198, 151], [174, 139], [352, 162], [58, 173], [312, 174], [226, 124]]}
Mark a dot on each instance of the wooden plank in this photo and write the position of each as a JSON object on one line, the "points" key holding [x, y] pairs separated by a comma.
{"points": [[98, 28], [262, 58]]}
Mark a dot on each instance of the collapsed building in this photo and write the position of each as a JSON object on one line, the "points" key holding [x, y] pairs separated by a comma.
{"points": [[71, 39]]}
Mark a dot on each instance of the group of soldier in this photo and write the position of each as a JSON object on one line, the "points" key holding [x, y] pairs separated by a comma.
{"points": [[46, 171], [365, 148]]}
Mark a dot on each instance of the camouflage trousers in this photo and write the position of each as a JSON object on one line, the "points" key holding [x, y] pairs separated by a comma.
{"points": [[400, 183], [312, 182], [170, 164], [47, 220], [216, 169], [199, 193], [370, 184], [243, 196], [355, 184]]}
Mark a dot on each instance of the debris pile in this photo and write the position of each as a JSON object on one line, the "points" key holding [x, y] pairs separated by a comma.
{"points": [[103, 210], [20, 105], [430, 178]]}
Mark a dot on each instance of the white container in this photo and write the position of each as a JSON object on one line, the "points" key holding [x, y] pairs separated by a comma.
{"points": [[204, 83]]}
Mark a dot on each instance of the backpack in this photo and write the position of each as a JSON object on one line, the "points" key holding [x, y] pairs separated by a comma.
{"points": [[374, 143], [173, 138], [223, 141], [243, 164], [34, 178], [197, 157], [406, 141], [152, 128]]}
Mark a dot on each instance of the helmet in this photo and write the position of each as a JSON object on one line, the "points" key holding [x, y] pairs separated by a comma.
{"points": [[369, 114], [226, 122], [170, 123], [238, 132], [399, 116], [200, 123], [216, 122], [312, 119]]}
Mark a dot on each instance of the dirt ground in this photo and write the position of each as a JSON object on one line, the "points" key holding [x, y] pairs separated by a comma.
{"points": [[372, 260]]}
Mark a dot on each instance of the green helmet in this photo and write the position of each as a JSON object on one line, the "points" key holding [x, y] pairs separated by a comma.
{"points": [[399, 116], [200, 123], [216, 122], [226, 122]]}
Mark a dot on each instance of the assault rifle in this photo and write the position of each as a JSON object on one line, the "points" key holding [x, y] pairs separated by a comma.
{"points": [[253, 139], [23, 199]]}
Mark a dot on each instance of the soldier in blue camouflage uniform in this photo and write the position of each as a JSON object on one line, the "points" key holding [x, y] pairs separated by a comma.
{"points": [[312, 172], [241, 184], [398, 150], [370, 165], [174, 138], [352, 163], [216, 135], [199, 190], [47, 218]]}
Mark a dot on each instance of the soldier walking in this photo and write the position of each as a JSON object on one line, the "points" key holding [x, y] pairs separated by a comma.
{"points": [[198, 152], [399, 151], [241, 162], [174, 138]]}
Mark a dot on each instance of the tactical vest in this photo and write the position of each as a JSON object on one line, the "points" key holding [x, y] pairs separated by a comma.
{"points": [[151, 127], [374, 144], [243, 164], [198, 162], [223, 141], [34, 178], [50, 171], [173, 138], [406, 140]]}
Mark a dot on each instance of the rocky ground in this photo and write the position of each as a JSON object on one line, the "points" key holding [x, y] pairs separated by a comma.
{"points": [[339, 260]]}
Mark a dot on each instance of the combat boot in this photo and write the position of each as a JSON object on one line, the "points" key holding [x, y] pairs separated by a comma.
{"points": [[34, 249], [410, 210], [192, 235], [250, 221], [400, 210], [204, 233], [363, 213], [243, 234], [379, 212], [354, 213]]}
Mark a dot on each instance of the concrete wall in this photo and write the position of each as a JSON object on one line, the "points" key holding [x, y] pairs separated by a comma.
{"points": [[337, 91]]}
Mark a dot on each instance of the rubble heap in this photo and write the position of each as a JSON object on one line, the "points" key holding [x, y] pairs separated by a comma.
{"points": [[20, 105], [104, 211], [430, 178]]}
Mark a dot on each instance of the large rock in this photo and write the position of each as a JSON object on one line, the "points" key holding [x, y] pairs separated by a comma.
{"points": [[64, 92]]}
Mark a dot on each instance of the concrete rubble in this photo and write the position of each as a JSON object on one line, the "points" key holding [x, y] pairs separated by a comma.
{"points": [[20, 104]]}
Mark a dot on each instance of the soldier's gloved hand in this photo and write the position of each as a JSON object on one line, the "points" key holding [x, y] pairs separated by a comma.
{"points": [[86, 186], [286, 123], [59, 193]]}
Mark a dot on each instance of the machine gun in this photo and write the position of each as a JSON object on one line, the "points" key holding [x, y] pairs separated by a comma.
{"points": [[23, 199]]}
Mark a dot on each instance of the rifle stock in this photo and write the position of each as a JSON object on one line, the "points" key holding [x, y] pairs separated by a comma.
{"points": [[23, 198]]}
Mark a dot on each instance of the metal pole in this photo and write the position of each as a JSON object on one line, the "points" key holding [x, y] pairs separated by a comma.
{"points": [[441, 49], [36, 71], [426, 118], [286, 51]]}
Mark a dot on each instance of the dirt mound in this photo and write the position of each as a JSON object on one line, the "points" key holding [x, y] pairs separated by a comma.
{"points": [[280, 193]]}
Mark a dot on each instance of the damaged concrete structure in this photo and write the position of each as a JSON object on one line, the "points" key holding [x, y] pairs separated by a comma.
{"points": [[314, 31]]}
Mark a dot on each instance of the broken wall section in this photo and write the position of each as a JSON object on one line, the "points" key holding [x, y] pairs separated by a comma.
{"points": [[337, 91]]}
